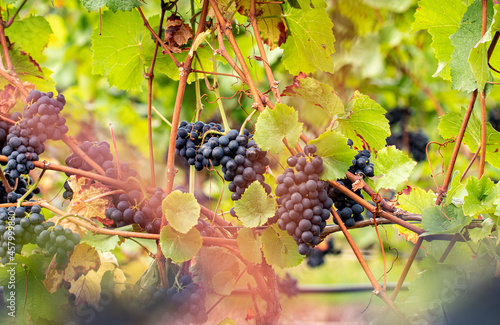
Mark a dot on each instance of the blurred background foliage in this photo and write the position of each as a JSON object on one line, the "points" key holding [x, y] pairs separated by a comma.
{"points": [[376, 53]]}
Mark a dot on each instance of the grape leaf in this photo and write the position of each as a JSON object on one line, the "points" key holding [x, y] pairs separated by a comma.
{"points": [[394, 167], [117, 50], [31, 295], [441, 23], [150, 277], [115, 5], [275, 125], [181, 210], [316, 93], [364, 119], [476, 234], [83, 259], [226, 321], [255, 207], [478, 61], [214, 260], [449, 222], [309, 45], [225, 282], [416, 201], [337, 156], [249, 245], [87, 289], [103, 243], [392, 5], [178, 246], [31, 33], [279, 248], [455, 186], [450, 124], [363, 17], [463, 41], [481, 196]]}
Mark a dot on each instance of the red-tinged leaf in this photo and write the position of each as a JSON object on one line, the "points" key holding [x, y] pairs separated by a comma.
{"points": [[8, 98], [250, 314]]}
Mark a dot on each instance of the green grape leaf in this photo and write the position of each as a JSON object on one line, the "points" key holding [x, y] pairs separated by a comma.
{"points": [[178, 246], [441, 24], [463, 41], [337, 156], [117, 50], [115, 5], [275, 125], [363, 18], [455, 186], [103, 243], [87, 289], [31, 295], [393, 167], [309, 46], [181, 210], [226, 321], [316, 93], [481, 196], [31, 33], [478, 61], [449, 222], [279, 248], [211, 261], [476, 234], [364, 119], [225, 282], [255, 207], [450, 124], [416, 201], [249, 245], [150, 277]]}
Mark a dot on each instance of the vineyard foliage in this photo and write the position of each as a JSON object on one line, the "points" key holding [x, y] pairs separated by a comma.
{"points": [[159, 157]]}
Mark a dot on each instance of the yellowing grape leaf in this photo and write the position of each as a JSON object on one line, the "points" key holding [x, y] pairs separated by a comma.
{"points": [[249, 245], [255, 207], [279, 248], [178, 246], [181, 210], [87, 289]]}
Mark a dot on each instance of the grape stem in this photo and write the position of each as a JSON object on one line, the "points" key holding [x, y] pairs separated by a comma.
{"points": [[219, 100], [249, 117], [32, 188], [161, 116], [407, 268], [6, 184], [82, 154], [76, 216], [118, 165]]}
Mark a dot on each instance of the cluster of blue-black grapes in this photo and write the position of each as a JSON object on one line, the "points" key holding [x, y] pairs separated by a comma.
{"points": [[205, 229], [133, 207], [361, 164], [189, 139], [316, 256], [100, 153], [182, 305], [304, 202], [57, 240], [288, 285], [25, 140], [241, 160], [18, 190], [18, 227]]}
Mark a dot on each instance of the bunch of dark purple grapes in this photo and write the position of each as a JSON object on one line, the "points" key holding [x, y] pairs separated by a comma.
{"points": [[304, 203], [417, 141], [182, 305], [26, 138], [135, 208], [316, 256], [18, 190], [347, 209], [361, 164], [100, 153], [288, 285], [190, 136], [205, 229]]}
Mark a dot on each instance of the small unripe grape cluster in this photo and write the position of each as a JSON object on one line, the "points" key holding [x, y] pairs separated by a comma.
{"points": [[57, 240], [304, 203]]}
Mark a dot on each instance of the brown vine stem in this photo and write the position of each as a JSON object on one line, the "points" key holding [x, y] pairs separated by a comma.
{"points": [[223, 52], [3, 41], [150, 76], [448, 249], [229, 35], [482, 158], [14, 81], [382, 250], [384, 203], [6, 184], [373, 209], [173, 132], [378, 290], [82, 154], [444, 188], [407, 268], [269, 72], [470, 163], [207, 241], [158, 39], [11, 19]]}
